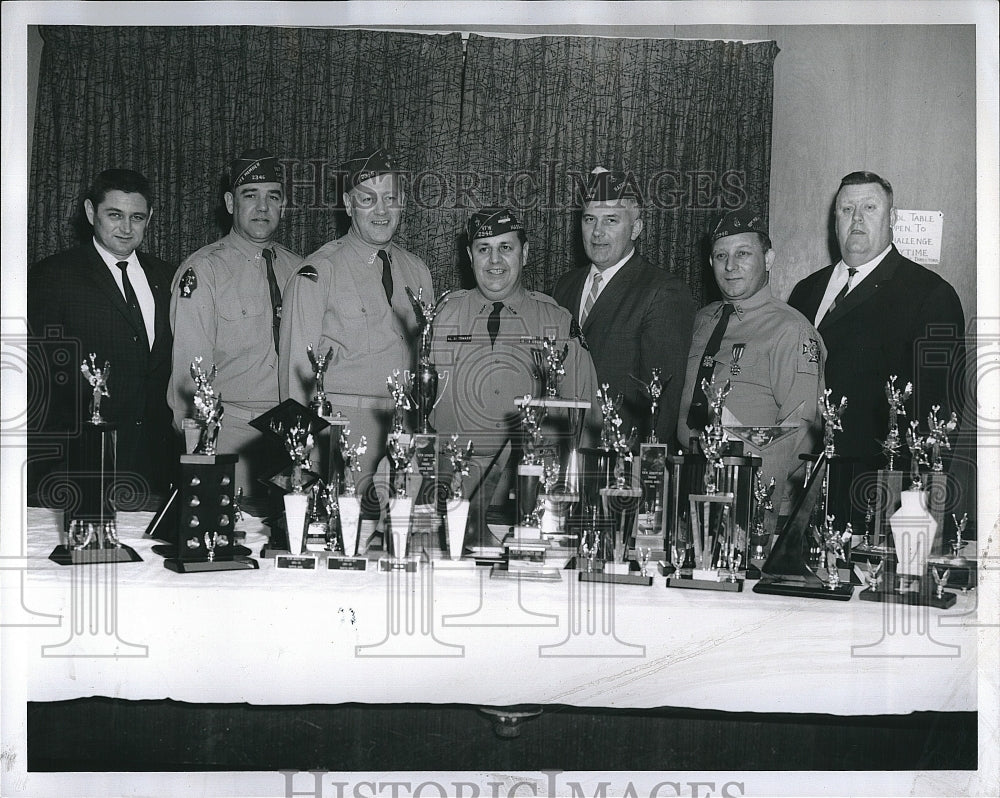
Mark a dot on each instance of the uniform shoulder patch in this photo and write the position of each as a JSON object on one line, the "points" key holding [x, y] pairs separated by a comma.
{"points": [[576, 332], [188, 283], [308, 271], [810, 349]]}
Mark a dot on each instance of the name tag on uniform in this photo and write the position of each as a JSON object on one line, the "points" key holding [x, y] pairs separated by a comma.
{"points": [[459, 339], [530, 339]]}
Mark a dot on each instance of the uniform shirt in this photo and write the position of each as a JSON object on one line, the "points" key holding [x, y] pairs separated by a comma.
{"points": [[477, 401], [336, 299], [779, 358], [227, 320]]}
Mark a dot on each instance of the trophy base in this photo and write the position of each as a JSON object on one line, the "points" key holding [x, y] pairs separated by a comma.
{"points": [[341, 563], [615, 579], [63, 556], [706, 584], [911, 597], [198, 566], [534, 572], [453, 565], [409, 564], [170, 551], [654, 554], [841, 593]]}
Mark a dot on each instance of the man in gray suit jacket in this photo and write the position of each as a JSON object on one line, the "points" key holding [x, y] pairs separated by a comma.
{"points": [[634, 315]]}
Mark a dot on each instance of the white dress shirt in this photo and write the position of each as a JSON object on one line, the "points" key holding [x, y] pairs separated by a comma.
{"points": [[137, 277], [839, 279], [606, 277]]}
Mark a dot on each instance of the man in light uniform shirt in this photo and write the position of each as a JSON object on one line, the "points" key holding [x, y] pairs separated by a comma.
{"points": [[225, 307]]}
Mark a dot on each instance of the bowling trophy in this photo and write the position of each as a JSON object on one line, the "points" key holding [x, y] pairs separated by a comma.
{"points": [[348, 504]]}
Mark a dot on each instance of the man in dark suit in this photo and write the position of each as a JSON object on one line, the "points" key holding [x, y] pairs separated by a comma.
{"points": [[106, 298], [881, 315], [635, 316]]}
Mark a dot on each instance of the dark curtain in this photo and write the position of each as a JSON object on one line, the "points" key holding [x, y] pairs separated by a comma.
{"points": [[178, 103], [692, 119]]}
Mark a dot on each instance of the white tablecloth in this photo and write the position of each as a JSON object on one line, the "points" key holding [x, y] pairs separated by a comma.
{"points": [[270, 636]]}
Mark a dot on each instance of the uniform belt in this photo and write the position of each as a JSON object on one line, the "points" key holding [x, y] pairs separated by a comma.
{"points": [[353, 400], [240, 413]]}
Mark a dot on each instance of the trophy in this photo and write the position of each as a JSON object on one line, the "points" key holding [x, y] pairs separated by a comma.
{"points": [[424, 384], [319, 403], [896, 397], [917, 445], [457, 506], [549, 367], [652, 390], [833, 543], [98, 379], [89, 521], [958, 544], [348, 504], [400, 389], [831, 420], [713, 436], [937, 437], [208, 408], [529, 472], [298, 442], [762, 504]]}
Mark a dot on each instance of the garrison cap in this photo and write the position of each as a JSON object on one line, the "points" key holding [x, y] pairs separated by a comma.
{"points": [[491, 222]]}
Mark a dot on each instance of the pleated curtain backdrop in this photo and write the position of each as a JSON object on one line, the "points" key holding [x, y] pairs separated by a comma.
{"points": [[511, 121]]}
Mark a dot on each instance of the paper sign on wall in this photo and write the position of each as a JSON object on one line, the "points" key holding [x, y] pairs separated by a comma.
{"points": [[917, 235]]}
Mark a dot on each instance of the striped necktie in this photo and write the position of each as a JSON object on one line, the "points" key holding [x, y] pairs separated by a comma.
{"points": [[595, 289]]}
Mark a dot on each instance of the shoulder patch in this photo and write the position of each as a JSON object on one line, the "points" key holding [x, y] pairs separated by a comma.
{"points": [[810, 348], [188, 283], [308, 271], [576, 332]]}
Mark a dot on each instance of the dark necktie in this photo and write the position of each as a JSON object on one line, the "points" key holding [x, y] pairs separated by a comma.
{"points": [[698, 414], [386, 274], [851, 271], [131, 299], [493, 323], [272, 287]]}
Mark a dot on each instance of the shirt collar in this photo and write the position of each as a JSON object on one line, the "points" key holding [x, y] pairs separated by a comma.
{"points": [[744, 306], [111, 259], [364, 251], [247, 248], [865, 268], [513, 303], [611, 271]]}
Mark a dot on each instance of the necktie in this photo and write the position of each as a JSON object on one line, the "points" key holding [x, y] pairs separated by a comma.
{"points": [[386, 274], [272, 287], [595, 289], [698, 414], [493, 324], [131, 299], [851, 271]]}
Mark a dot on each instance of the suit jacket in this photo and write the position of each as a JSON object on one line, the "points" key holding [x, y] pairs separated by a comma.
{"points": [[642, 320], [75, 308], [902, 320]]}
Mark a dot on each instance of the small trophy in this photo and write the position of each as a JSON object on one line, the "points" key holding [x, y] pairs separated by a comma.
{"points": [[940, 581], [319, 403], [762, 504], [873, 574], [958, 543], [831, 421], [457, 506], [896, 397], [400, 449], [208, 409], [352, 461], [400, 389], [917, 445], [712, 438], [833, 543], [424, 384], [937, 438], [98, 379], [298, 443], [549, 366]]}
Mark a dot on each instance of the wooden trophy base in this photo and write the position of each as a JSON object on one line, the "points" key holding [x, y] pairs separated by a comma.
{"points": [[684, 582], [842, 592], [64, 556], [198, 566], [917, 598]]}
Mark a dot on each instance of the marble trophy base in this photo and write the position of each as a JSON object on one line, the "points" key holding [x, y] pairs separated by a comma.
{"points": [[64, 555], [616, 574], [841, 593], [237, 563]]}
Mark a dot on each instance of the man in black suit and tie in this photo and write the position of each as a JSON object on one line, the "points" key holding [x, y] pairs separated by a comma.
{"points": [[634, 315], [106, 298], [880, 315]]}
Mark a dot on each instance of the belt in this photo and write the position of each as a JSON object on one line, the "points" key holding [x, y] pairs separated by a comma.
{"points": [[240, 413], [353, 400]]}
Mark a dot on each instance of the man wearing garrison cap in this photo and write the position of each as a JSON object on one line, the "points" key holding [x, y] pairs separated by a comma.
{"points": [[350, 296], [635, 316], [771, 355], [483, 337], [225, 307]]}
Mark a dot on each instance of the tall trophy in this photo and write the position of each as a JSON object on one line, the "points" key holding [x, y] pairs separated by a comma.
{"points": [[653, 477], [400, 450], [90, 526], [348, 503], [206, 493], [457, 505], [424, 383], [889, 481], [299, 443], [715, 543]]}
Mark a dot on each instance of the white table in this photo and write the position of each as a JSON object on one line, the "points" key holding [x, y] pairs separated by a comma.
{"points": [[138, 631]]}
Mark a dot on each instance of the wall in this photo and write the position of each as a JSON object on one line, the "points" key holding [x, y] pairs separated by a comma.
{"points": [[845, 97]]}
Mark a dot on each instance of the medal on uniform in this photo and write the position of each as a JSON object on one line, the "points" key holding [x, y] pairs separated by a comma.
{"points": [[707, 362], [738, 350]]}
